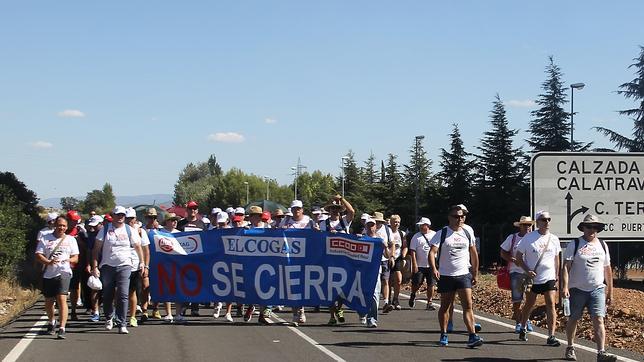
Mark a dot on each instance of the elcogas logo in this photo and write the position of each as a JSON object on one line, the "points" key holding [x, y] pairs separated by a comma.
{"points": [[265, 246]]}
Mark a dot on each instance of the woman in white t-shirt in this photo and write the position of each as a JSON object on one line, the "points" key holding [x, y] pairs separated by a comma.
{"points": [[56, 251], [420, 268], [139, 280]]}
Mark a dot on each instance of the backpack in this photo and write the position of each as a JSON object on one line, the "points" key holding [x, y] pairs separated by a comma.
{"points": [[443, 236], [577, 247], [128, 229], [327, 223]]}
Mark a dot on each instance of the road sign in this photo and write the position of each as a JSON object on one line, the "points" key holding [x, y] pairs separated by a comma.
{"points": [[572, 184]]}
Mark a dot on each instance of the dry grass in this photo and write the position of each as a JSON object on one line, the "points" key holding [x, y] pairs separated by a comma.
{"points": [[14, 300]]}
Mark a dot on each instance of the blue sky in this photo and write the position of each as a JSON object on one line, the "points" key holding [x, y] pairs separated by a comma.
{"points": [[130, 92]]}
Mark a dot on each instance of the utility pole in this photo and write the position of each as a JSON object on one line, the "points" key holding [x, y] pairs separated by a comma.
{"points": [[418, 139], [298, 169]]}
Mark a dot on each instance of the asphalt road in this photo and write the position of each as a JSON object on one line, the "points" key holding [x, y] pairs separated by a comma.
{"points": [[409, 334]]}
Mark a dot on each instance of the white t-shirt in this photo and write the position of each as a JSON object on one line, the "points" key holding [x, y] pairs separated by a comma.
{"points": [[336, 224], [532, 245], [44, 231], [290, 223], [116, 249], [382, 233], [397, 240], [507, 244], [455, 256], [419, 244], [587, 271], [67, 248], [145, 241]]}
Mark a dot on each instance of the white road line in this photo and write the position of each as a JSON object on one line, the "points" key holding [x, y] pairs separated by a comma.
{"points": [[537, 334], [313, 342], [22, 345]]}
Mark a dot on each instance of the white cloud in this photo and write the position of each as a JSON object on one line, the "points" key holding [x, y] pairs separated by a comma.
{"points": [[527, 103], [41, 144], [71, 113], [226, 137], [270, 120]]}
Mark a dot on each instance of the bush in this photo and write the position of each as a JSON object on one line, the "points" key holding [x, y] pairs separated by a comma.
{"points": [[14, 226]]}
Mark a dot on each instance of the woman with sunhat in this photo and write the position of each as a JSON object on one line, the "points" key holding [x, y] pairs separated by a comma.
{"points": [[508, 250]]}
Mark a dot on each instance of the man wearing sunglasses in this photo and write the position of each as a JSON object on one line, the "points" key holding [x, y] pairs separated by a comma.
{"points": [[586, 269], [538, 256]]}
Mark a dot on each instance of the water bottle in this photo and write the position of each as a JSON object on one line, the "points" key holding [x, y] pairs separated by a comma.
{"points": [[566, 307]]}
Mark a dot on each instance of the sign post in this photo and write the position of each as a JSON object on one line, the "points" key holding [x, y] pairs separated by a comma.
{"points": [[571, 185]]}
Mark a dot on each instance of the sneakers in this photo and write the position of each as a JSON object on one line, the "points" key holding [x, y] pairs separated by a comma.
{"points": [[194, 313], [262, 319], [443, 340], [450, 326], [296, 319], [123, 330], [156, 314], [51, 328], [167, 319], [397, 305], [387, 308], [332, 321], [477, 327], [553, 342], [133, 322], [240, 311], [229, 317], [529, 326], [606, 357], [95, 318], [412, 300], [109, 324], [570, 354], [517, 328], [430, 306], [523, 335], [363, 320], [180, 320], [339, 315], [249, 313], [217, 310], [372, 323], [144, 317], [268, 312], [474, 341], [73, 317], [61, 333]]}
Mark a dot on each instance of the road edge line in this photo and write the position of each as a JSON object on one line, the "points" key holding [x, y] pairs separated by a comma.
{"points": [[22, 345]]}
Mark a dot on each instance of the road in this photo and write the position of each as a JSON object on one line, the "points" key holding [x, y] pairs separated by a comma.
{"points": [[409, 334]]}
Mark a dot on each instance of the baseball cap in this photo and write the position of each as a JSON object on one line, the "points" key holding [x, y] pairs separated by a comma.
{"points": [[424, 221], [237, 218], [192, 205], [73, 215], [118, 210], [240, 211], [296, 203], [107, 217], [364, 216], [542, 214], [370, 220], [222, 217], [266, 215], [316, 210], [230, 210], [95, 220], [130, 212], [465, 211], [216, 210], [52, 216]]}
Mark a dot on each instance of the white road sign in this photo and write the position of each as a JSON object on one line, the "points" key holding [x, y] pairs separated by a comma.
{"points": [[571, 185]]}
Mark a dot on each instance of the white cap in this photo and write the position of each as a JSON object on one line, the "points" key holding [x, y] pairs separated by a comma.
{"points": [[118, 210], [52, 216], [463, 208], [316, 212], [424, 221], [541, 213], [95, 220], [323, 217], [216, 210], [297, 203], [369, 220], [130, 212], [365, 216], [205, 220], [288, 213], [240, 211], [222, 217], [230, 210]]}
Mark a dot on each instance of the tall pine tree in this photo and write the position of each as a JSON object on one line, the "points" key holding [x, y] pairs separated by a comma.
{"points": [[457, 176], [631, 90]]}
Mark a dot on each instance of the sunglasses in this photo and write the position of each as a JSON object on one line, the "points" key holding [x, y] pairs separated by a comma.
{"points": [[457, 216], [547, 219], [594, 227]]}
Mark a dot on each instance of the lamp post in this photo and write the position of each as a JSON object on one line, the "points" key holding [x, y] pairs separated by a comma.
{"points": [[342, 171], [267, 186], [573, 86], [418, 139], [246, 183]]}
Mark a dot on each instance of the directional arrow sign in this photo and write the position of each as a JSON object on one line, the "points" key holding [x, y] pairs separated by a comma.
{"points": [[571, 185]]}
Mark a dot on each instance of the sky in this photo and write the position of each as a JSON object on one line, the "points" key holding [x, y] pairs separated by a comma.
{"points": [[129, 92]]}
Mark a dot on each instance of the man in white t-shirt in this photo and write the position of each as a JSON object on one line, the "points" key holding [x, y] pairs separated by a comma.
{"points": [[454, 250], [420, 268], [508, 251], [138, 280], [387, 261], [586, 269], [114, 244], [538, 256]]}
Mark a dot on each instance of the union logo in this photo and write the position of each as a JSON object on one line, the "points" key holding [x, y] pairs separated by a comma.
{"points": [[165, 244]]}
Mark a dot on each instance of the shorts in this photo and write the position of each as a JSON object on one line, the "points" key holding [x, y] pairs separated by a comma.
{"points": [[422, 275], [398, 265], [76, 278], [595, 301], [384, 270], [447, 284], [543, 288], [51, 287], [516, 283], [135, 282]]}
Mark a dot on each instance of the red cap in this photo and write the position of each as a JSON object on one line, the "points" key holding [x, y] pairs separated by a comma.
{"points": [[192, 205], [238, 218], [108, 217], [266, 215], [73, 215]]}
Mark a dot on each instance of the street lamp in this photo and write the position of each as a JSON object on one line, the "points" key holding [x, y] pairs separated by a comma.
{"points": [[246, 183], [267, 186], [417, 181], [342, 173], [573, 86]]}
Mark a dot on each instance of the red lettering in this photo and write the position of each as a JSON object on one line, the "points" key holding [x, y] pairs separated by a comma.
{"points": [[183, 272], [167, 279]]}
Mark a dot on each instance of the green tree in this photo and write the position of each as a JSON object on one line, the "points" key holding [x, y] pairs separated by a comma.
{"points": [[416, 176], [101, 201], [631, 90], [14, 228], [369, 173], [456, 173], [69, 203]]}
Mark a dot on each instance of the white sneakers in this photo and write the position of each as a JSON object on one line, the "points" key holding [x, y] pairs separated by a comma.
{"points": [[229, 317], [217, 310], [123, 330], [109, 325]]}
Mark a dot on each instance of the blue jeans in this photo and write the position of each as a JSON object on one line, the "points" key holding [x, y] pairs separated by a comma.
{"points": [[595, 301], [119, 278], [516, 283]]}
